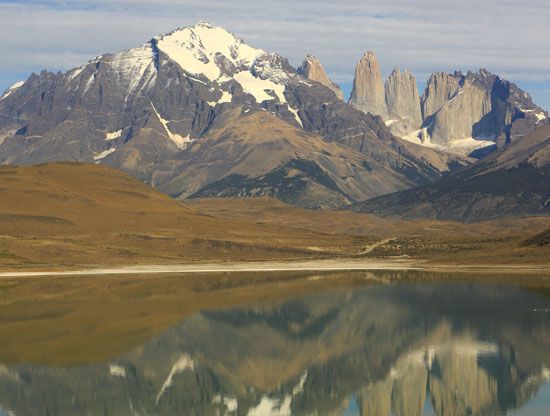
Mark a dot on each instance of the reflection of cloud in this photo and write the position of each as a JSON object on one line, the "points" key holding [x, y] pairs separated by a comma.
{"points": [[424, 35]]}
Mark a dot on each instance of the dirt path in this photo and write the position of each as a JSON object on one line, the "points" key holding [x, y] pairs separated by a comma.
{"points": [[376, 245]]}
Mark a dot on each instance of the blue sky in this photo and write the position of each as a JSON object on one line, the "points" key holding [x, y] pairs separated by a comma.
{"points": [[504, 36]]}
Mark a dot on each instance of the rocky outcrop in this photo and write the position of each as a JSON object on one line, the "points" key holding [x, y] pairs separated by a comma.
{"points": [[477, 105], [312, 69], [402, 102], [397, 101], [453, 112], [368, 89], [470, 114]]}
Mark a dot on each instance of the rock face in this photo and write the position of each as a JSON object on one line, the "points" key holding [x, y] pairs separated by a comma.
{"points": [[312, 69], [441, 88], [368, 89], [512, 182], [480, 105], [402, 102], [452, 113]]}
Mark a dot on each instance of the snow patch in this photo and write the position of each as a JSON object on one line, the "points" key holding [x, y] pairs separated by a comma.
{"points": [[73, 73], [540, 116], [180, 141], [462, 146], [11, 89], [296, 116], [103, 154], [226, 97], [185, 362], [390, 122], [88, 84], [135, 66], [469, 144], [259, 88], [113, 135], [76, 72], [117, 371]]}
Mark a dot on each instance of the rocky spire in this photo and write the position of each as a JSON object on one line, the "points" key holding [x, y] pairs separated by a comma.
{"points": [[368, 90], [312, 69], [402, 99]]}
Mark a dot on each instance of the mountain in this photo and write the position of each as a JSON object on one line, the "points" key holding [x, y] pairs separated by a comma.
{"points": [[470, 114], [514, 181], [257, 154], [149, 110], [312, 69]]}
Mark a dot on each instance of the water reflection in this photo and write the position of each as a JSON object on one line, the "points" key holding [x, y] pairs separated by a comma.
{"points": [[430, 349]]}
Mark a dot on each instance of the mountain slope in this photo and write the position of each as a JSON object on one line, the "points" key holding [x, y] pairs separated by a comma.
{"points": [[137, 110], [512, 182], [257, 154]]}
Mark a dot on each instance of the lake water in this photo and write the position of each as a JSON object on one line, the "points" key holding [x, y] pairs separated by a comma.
{"points": [[442, 348]]}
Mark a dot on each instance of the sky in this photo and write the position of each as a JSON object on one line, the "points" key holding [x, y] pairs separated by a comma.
{"points": [[507, 37]]}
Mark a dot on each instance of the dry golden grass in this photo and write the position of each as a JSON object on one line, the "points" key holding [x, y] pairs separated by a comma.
{"points": [[71, 214], [490, 242]]}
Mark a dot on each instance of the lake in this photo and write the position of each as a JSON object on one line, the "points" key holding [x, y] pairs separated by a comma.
{"points": [[366, 346]]}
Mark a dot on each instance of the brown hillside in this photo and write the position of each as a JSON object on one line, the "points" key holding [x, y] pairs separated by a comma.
{"points": [[75, 214]]}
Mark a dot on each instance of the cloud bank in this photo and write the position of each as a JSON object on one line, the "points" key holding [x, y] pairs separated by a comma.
{"points": [[504, 36]]}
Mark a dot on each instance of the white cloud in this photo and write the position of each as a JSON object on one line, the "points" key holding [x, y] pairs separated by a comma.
{"points": [[504, 36]]}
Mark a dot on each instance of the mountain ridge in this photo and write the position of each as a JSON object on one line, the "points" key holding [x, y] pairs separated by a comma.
{"points": [[148, 110], [514, 181], [141, 110]]}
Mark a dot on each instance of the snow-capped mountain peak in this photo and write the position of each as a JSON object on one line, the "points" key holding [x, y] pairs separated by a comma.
{"points": [[207, 50]]}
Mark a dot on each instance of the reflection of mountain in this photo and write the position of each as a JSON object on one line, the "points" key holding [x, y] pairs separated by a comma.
{"points": [[467, 349]]}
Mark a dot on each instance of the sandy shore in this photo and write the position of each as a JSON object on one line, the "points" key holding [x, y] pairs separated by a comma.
{"points": [[285, 266]]}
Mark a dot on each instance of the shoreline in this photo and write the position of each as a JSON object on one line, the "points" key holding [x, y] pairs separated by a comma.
{"points": [[331, 265]]}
